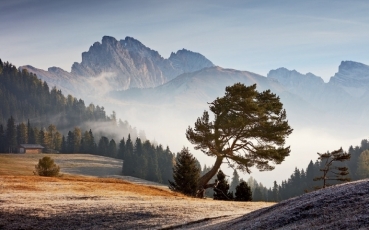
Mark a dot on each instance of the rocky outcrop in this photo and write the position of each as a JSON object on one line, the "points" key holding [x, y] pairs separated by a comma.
{"points": [[311, 88], [353, 77], [119, 65], [294, 80], [352, 74]]}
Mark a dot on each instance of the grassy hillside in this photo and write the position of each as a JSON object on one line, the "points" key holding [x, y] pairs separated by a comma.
{"points": [[88, 202], [17, 170], [81, 164]]}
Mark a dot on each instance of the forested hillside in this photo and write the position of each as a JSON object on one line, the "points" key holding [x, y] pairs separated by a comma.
{"points": [[302, 180], [31, 113], [24, 97]]}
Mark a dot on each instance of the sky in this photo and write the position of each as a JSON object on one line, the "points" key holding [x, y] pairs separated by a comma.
{"points": [[253, 35]]}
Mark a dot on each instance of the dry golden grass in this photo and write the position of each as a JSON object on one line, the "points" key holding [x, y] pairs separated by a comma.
{"points": [[74, 201], [16, 164], [16, 173], [80, 184]]}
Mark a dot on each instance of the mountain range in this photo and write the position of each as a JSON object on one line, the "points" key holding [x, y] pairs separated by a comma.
{"points": [[165, 96], [141, 80], [120, 65]]}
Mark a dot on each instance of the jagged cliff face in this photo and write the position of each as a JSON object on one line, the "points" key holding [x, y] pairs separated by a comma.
{"points": [[294, 80], [329, 98], [304, 85], [353, 77], [130, 64], [119, 65]]}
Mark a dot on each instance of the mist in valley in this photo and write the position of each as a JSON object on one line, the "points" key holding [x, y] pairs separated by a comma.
{"points": [[166, 124]]}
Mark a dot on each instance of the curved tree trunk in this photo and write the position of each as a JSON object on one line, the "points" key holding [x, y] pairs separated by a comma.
{"points": [[203, 181]]}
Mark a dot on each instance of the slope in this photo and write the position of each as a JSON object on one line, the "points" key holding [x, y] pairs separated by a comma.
{"points": [[343, 206], [80, 202]]}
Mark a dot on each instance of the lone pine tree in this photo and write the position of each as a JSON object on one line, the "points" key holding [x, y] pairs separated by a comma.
{"points": [[249, 129], [185, 173], [336, 173]]}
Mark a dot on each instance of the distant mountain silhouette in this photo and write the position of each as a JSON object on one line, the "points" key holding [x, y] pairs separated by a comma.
{"points": [[136, 81], [124, 64]]}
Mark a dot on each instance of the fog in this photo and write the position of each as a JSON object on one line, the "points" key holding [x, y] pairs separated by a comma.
{"points": [[167, 126], [164, 113]]}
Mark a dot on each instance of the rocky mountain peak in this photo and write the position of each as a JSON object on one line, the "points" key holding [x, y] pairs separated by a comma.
{"points": [[55, 69], [189, 61], [292, 78], [127, 63], [351, 74], [108, 40], [351, 65], [137, 49], [353, 77]]}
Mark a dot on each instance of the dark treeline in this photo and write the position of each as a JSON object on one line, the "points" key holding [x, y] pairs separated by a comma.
{"points": [[145, 160], [23, 96], [141, 158], [39, 110], [302, 181]]}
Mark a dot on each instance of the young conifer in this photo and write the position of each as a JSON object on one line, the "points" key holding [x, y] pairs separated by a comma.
{"points": [[185, 173], [221, 190], [243, 192]]}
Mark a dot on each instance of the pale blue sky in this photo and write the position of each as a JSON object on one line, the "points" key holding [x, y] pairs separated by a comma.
{"points": [[254, 35]]}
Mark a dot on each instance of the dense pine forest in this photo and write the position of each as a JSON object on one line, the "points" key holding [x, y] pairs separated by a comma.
{"points": [[31, 113], [141, 158], [27, 98]]}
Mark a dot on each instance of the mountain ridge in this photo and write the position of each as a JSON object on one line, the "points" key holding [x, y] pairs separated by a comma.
{"points": [[121, 65]]}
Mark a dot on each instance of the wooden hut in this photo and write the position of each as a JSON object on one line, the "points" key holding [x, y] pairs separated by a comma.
{"points": [[30, 148]]}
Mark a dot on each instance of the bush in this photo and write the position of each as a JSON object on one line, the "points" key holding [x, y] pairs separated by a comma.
{"points": [[46, 167], [243, 192]]}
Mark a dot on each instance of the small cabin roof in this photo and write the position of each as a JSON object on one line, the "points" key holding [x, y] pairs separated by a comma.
{"points": [[31, 146]]}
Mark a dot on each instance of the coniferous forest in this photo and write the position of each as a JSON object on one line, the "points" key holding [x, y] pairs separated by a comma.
{"points": [[31, 113], [302, 181]]}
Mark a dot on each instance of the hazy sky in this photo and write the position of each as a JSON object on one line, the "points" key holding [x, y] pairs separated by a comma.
{"points": [[254, 35]]}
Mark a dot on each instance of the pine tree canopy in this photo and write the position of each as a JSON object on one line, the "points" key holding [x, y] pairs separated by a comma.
{"points": [[243, 192], [185, 173], [221, 190], [249, 129], [337, 173]]}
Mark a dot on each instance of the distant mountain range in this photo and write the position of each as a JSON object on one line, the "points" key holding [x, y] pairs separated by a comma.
{"points": [[143, 84], [120, 65]]}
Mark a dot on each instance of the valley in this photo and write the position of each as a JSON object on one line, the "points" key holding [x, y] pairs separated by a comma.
{"points": [[142, 102]]}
